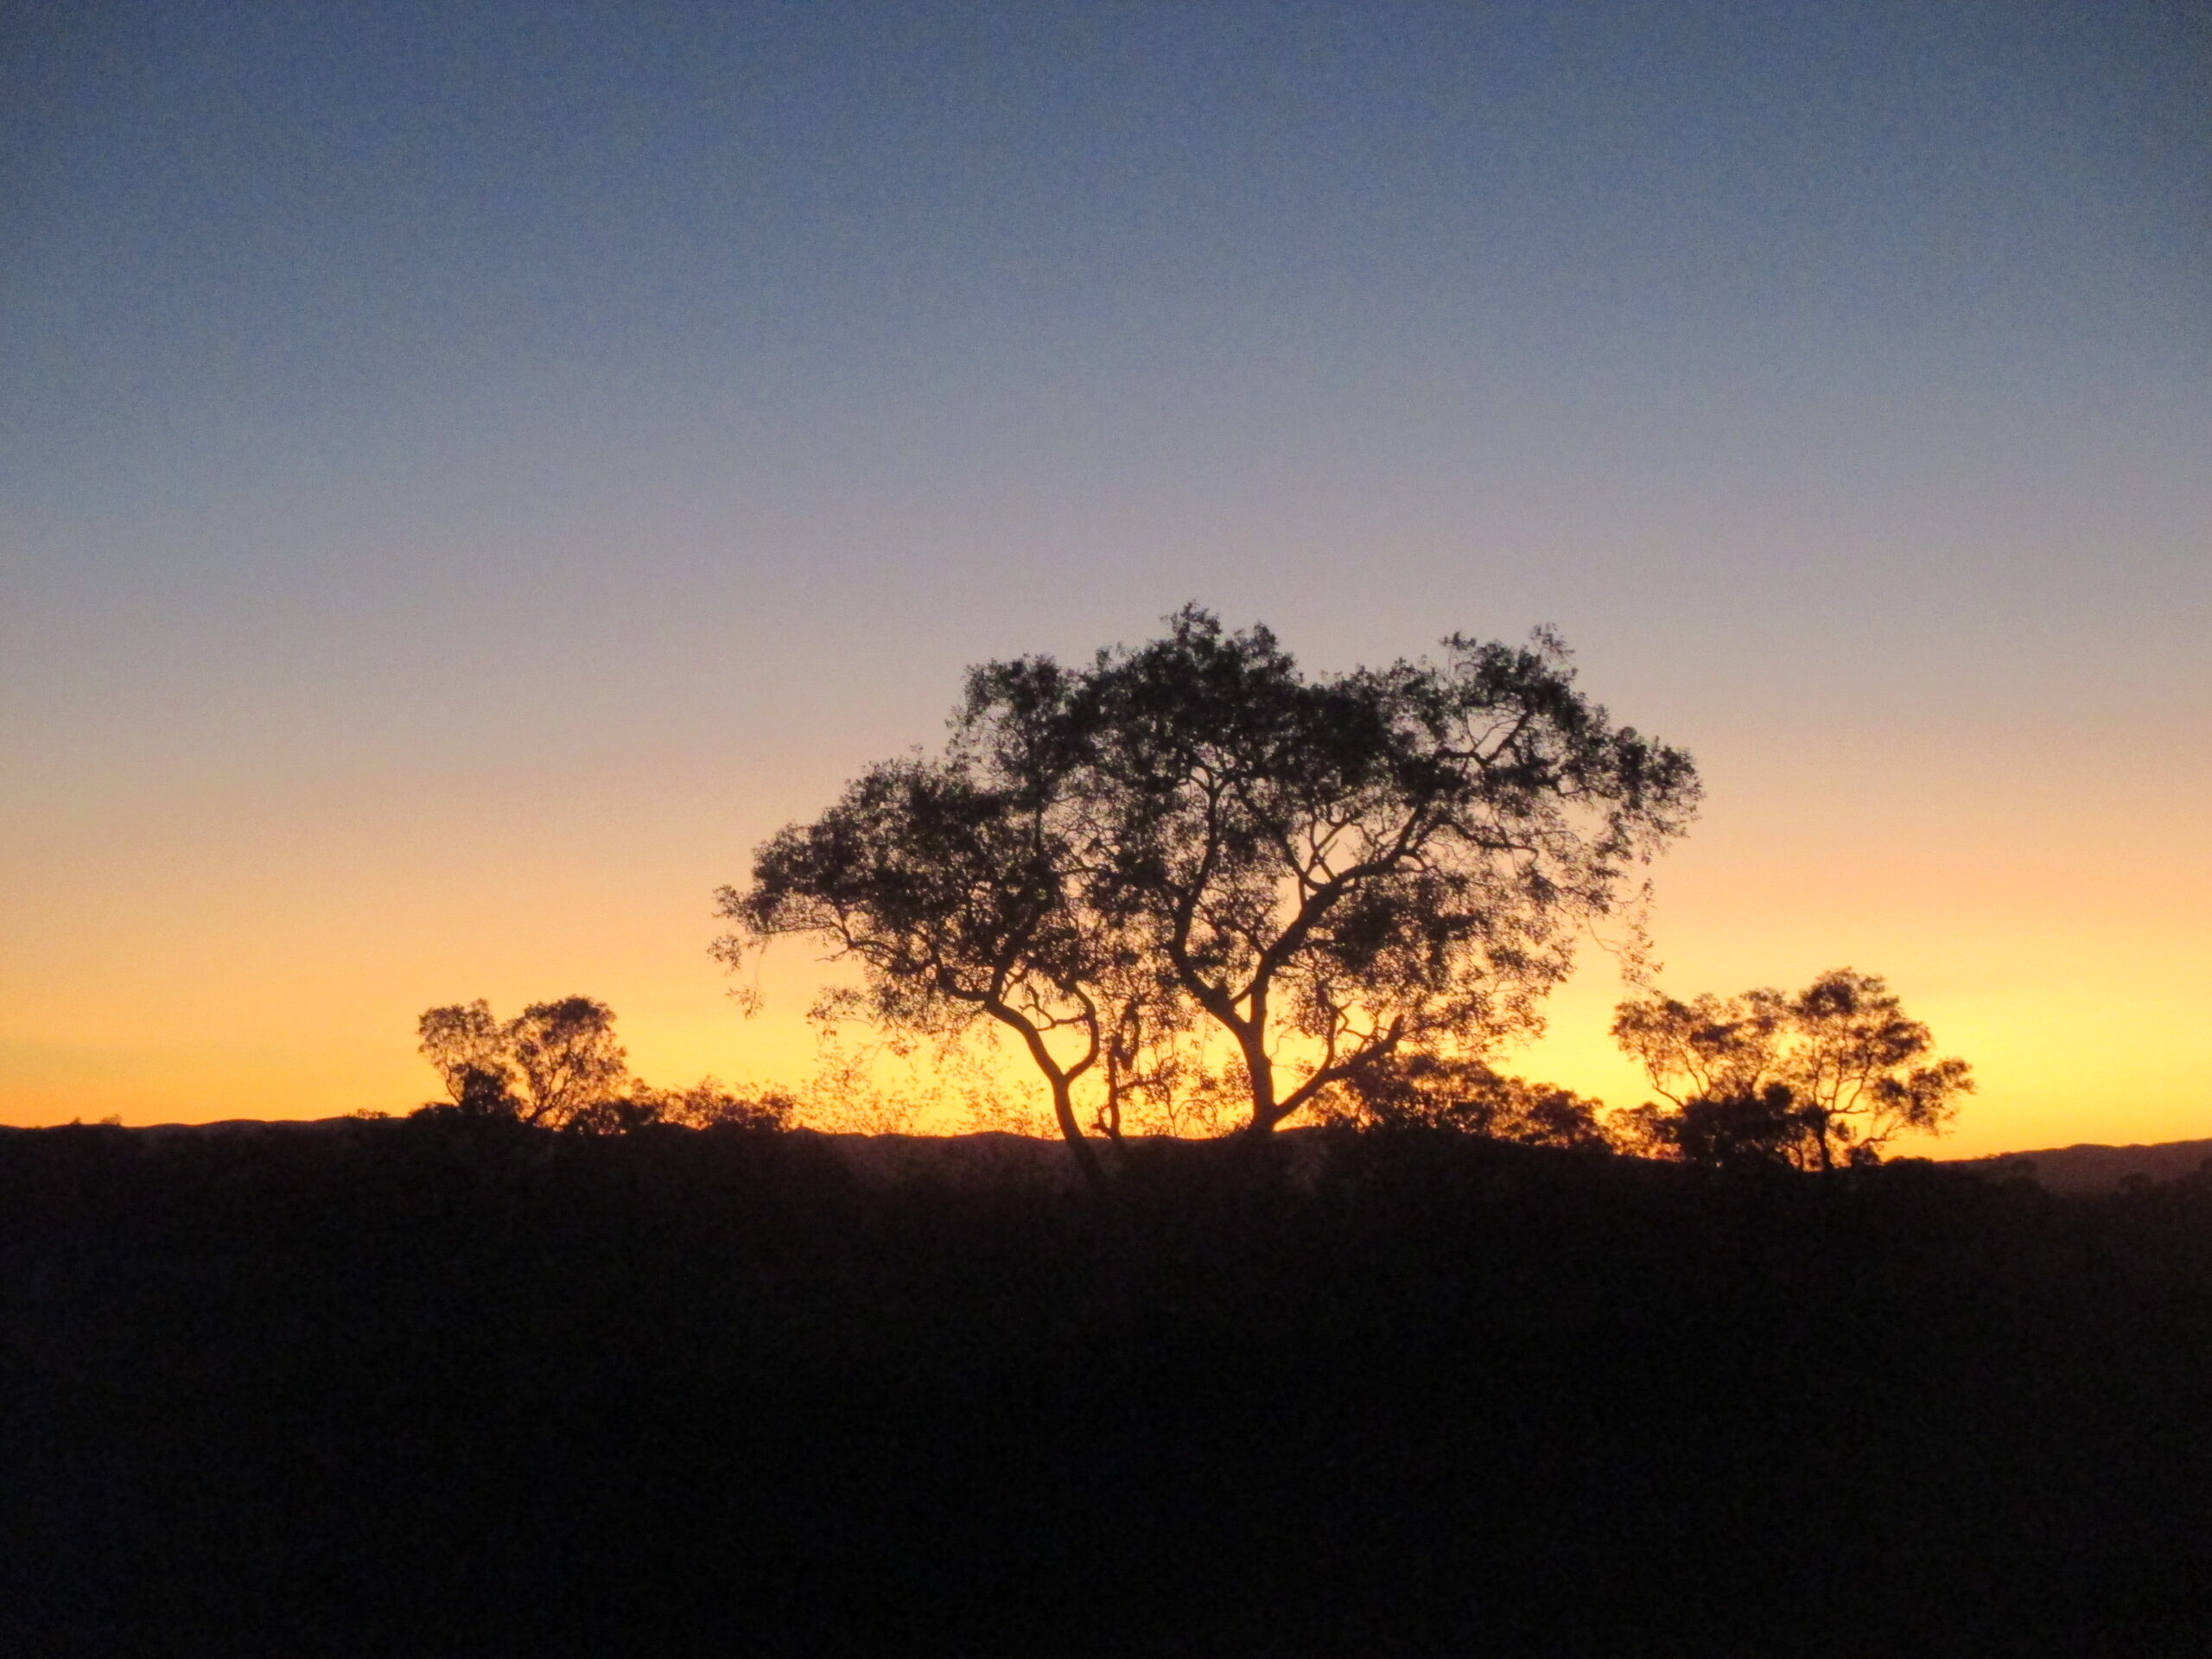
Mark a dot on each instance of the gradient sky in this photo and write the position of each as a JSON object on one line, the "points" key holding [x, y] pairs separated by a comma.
{"points": [[468, 474]]}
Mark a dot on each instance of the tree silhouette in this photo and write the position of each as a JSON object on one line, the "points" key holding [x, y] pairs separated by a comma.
{"points": [[469, 1050], [1743, 1129], [953, 886], [566, 1056], [1334, 872], [1340, 870], [1828, 1075], [1420, 1091], [705, 1105], [552, 1063]]}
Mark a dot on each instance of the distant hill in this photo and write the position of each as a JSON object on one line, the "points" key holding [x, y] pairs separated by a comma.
{"points": [[991, 1157], [980, 1160], [2091, 1168]]}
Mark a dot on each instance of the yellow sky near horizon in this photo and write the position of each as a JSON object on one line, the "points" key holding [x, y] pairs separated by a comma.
{"points": [[166, 970]]}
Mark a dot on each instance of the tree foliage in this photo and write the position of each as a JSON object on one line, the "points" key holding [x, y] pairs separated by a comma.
{"points": [[551, 1065], [557, 1066], [1331, 873], [706, 1105], [1421, 1091], [954, 886], [1339, 869], [567, 1056], [468, 1048], [1828, 1075]]}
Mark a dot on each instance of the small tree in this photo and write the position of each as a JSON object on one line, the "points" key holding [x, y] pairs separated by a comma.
{"points": [[1827, 1076], [1468, 1097], [1709, 1048], [705, 1105], [566, 1056], [1762, 1128], [551, 1064], [469, 1050]]}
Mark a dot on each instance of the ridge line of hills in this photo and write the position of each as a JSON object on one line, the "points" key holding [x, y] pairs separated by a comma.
{"points": [[2085, 1167]]}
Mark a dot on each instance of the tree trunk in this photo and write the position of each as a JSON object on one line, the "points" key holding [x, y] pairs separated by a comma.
{"points": [[1063, 1085], [1086, 1155]]}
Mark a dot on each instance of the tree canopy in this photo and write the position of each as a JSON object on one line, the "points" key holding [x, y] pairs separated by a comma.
{"points": [[557, 1066], [1828, 1076], [954, 886], [551, 1063], [1343, 868], [1335, 873]]}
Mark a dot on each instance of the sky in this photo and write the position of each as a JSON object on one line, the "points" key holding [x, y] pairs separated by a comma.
{"points": [[469, 474]]}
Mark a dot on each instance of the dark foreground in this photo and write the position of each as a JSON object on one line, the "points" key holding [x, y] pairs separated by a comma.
{"points": [[402, 1389]]}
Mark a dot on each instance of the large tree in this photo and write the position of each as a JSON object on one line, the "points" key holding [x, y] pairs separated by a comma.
{"points": [[1341, 871], [1332, 872]]}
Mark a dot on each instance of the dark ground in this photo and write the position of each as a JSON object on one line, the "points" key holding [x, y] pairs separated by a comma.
{"points": [[422, 1388]]}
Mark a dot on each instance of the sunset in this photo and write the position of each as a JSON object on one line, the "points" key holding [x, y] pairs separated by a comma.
{"points": [[473, 482], [485, 483]]}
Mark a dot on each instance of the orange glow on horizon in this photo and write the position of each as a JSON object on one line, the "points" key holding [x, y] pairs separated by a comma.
{"points": [[195, 972]]}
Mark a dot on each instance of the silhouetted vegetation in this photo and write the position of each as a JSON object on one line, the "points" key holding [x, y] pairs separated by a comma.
{"points": [[1199, 886], [557, 1066], [452, 1384], [1823, 1078], [1468, 1097], [547, 1065], [1331, 874]]}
